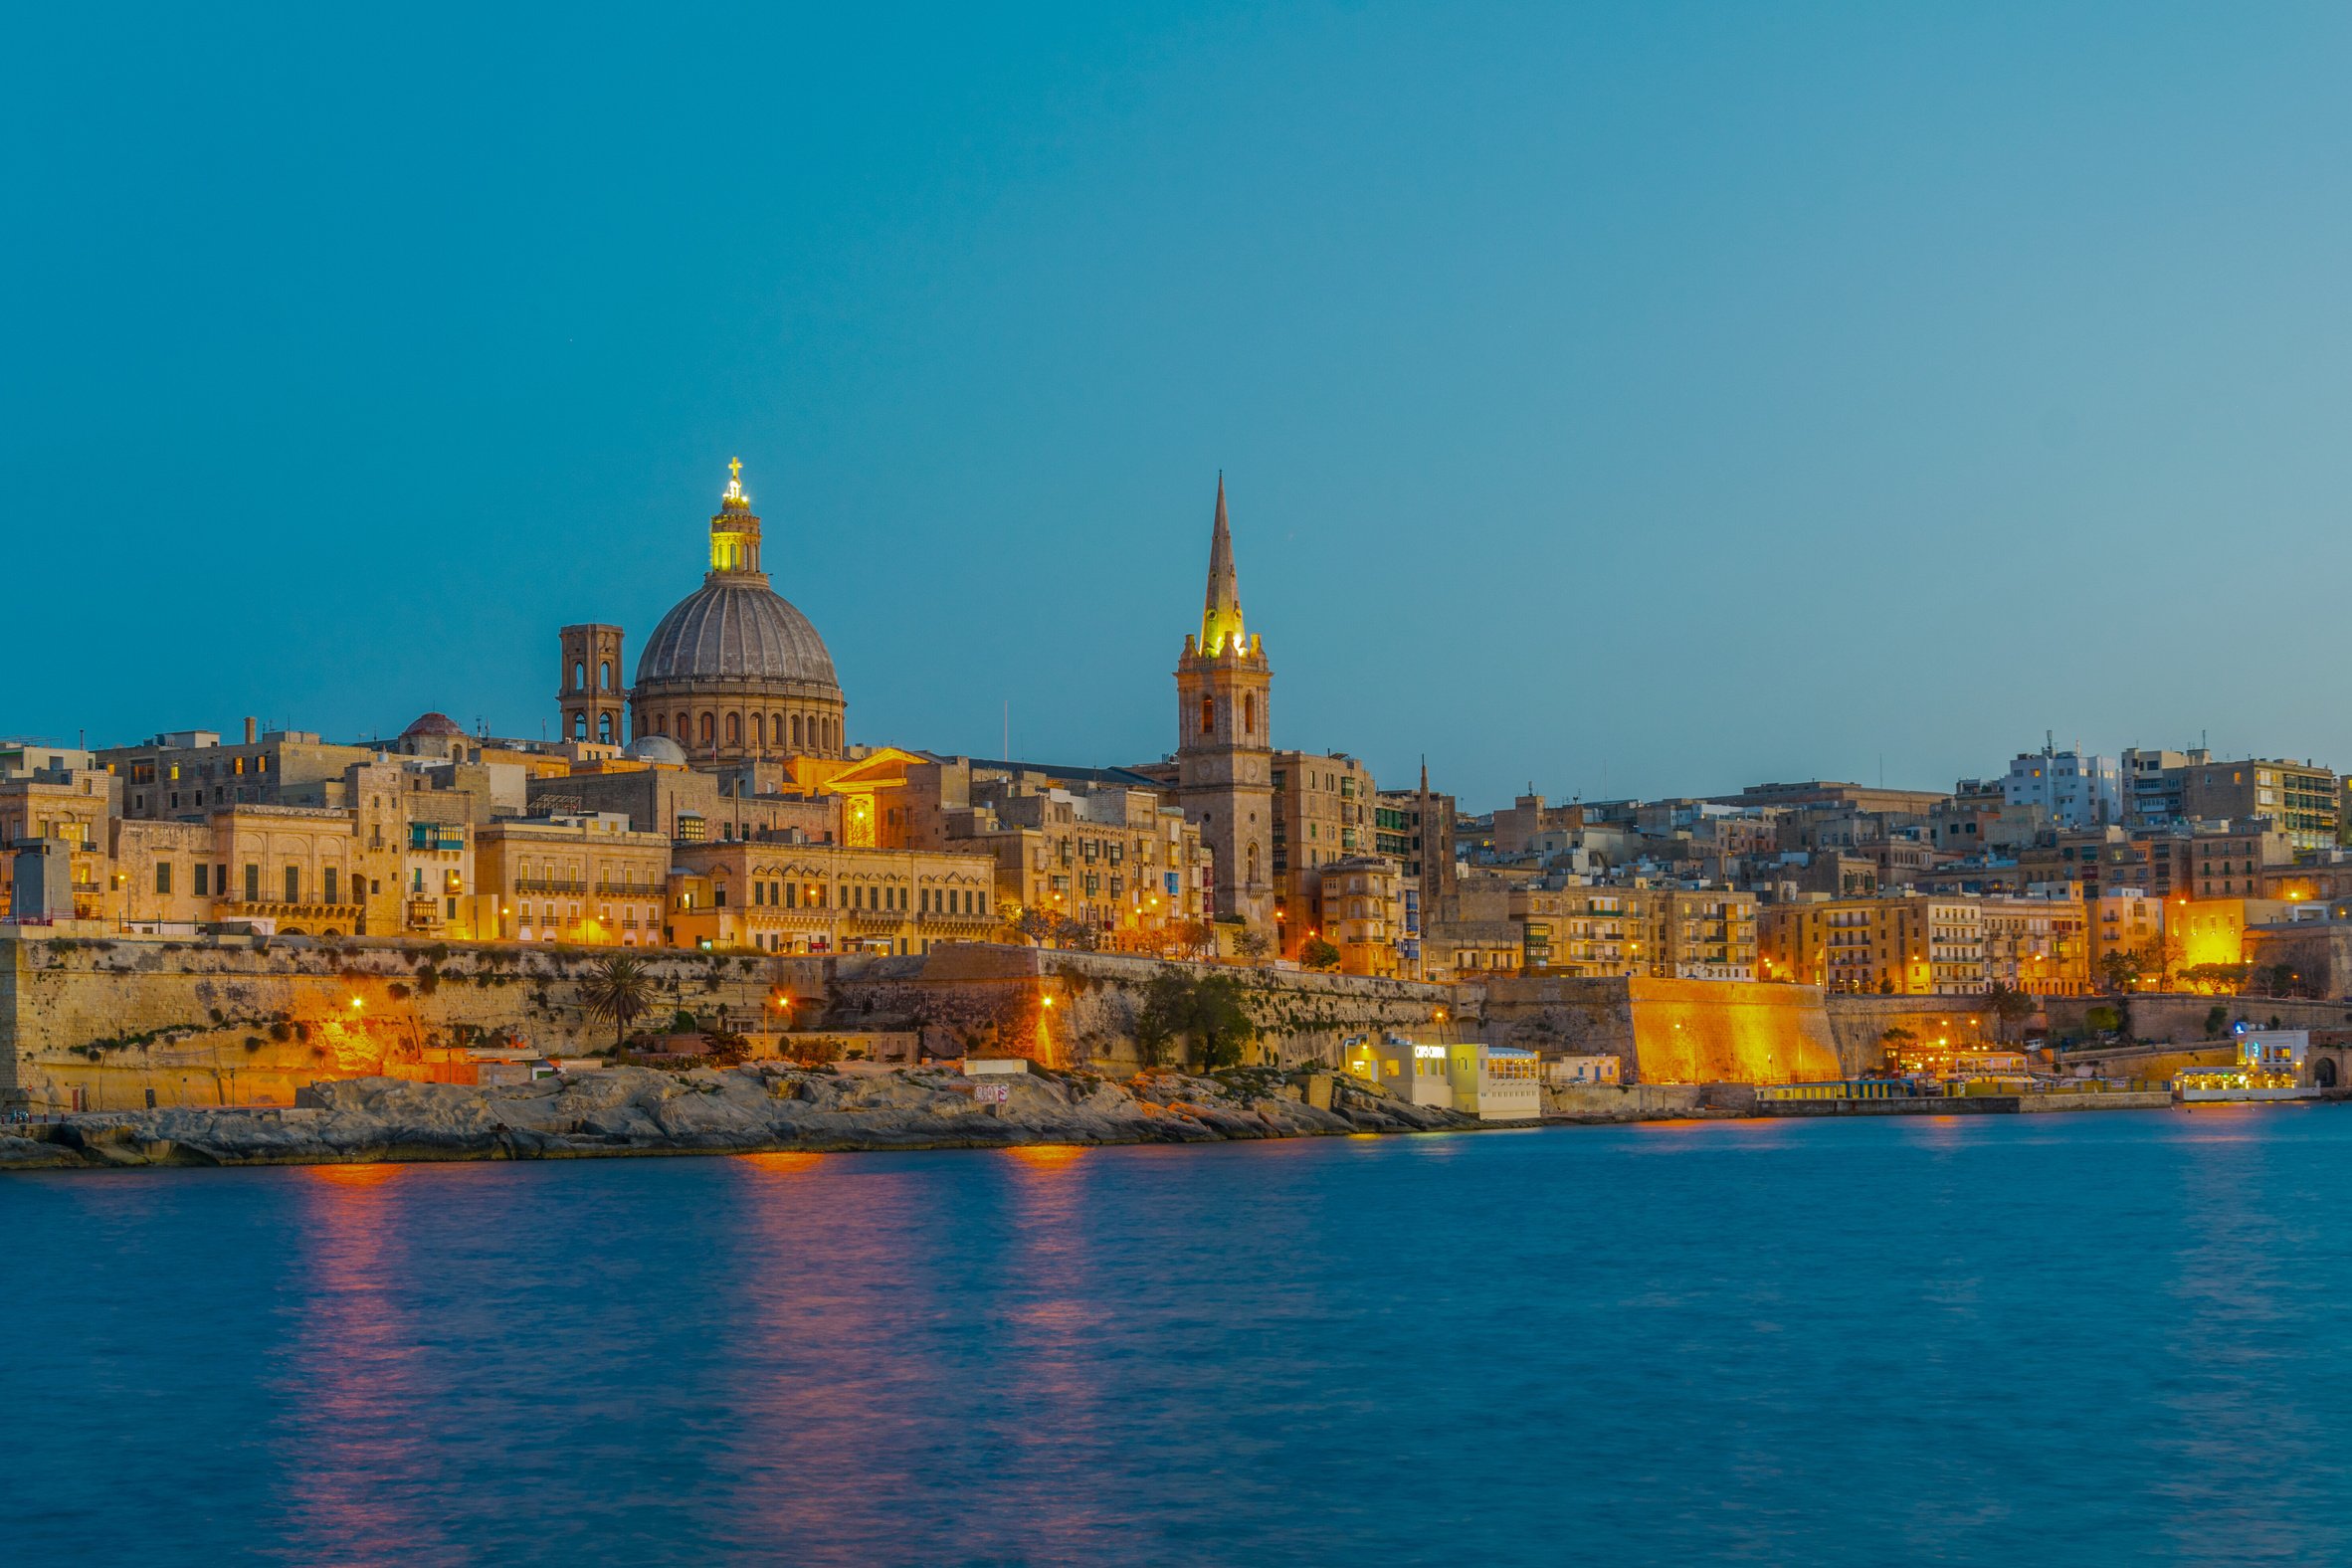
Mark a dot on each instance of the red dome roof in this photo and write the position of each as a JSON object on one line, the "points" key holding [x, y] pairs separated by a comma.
{"points": [[433, 724]]}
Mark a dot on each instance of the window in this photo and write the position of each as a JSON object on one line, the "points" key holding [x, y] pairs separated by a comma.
{"points": [[1249, 713], [200, 890], [328, 885], [580, 725], [710, 729], [579, 675], [734, 729], [163, 877], [604, 729], [1208, 714], [293, 885], [604, 674]]}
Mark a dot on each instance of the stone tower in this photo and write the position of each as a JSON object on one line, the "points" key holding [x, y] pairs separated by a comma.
{"points": [[592, 693], [1223, 752]]}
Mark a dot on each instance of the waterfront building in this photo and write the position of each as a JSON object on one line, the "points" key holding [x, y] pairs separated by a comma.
{"points": [[186, 773], [2299, 799], [1103, 848], [1225, 753], [1322, 812], [2130, 922], [1417, 1071], [2231, 859], [1494, 1083], [1600, 928], [786, 897], [2036, 945], [1367, 911], [1905, 945], [588, 879], [1581, 1072]]}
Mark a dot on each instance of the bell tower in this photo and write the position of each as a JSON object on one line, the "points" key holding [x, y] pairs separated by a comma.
{"points": [[592, 693], [1224, 746]]}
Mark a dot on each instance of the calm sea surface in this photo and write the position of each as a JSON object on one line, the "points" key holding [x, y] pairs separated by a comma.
{"points": [[2106, 1338]]}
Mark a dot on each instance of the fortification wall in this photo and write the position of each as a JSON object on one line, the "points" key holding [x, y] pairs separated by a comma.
{"points": [[1671, 1030], [2181, 1018], [1076, 1009], [100, 1023], [1858, 1024]]}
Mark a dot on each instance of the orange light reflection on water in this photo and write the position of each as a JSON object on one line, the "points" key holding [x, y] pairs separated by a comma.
{"points": [[783, 1162], [352, 1175], [1046, 1156]]}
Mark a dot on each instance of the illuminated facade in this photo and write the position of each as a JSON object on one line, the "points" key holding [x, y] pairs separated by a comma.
{"points": [[1363, 914], [589, 878], [1224, 756], [828, 898], [733, 671]]}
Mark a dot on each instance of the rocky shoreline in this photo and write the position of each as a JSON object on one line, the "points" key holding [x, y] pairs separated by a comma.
{"points": [[752, 1109]]}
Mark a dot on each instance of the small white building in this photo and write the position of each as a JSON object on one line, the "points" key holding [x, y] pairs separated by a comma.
{"points": [[1494, 1083], [1572, 1071], [1412, 1071]]}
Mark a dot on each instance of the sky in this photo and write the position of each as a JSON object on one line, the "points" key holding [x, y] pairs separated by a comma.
{"points": [[1623, 400]]}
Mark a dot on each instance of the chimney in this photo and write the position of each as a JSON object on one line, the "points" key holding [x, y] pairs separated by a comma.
{"points": [[249, 734]]}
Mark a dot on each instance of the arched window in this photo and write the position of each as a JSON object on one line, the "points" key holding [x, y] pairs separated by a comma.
{"points": [[796, 740], [686, 728], [776, 729], [579, 675], [734, 729], [709, 728], [1249, 713], [759, 731], [579, 727], [1208, 714], [604, 729], [604, 674], [660, 725], [1253, 865]]}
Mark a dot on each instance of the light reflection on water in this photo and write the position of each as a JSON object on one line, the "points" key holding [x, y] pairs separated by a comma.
{"points": [[2079, 1338]]}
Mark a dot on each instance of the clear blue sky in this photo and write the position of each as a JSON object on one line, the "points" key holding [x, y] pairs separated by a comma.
{"points": [[1632, 399]]}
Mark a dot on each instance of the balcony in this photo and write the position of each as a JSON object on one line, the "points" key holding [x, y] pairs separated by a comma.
{"points": [[550, 884]]}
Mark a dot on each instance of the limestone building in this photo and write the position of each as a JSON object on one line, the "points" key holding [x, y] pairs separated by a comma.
{"points": [[733, 671], [783, 897], [1224, 753]]}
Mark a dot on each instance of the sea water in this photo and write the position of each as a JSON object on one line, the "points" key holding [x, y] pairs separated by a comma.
{"points": [[2092, 1338]]}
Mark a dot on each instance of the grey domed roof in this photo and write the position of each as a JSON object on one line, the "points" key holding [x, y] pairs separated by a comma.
{"points": [[655, 748], [735, 631]]}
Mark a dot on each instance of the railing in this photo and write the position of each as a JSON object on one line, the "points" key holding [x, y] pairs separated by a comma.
{"points": [[543, 885]]}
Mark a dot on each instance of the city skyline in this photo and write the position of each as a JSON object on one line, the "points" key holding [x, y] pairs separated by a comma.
{"points": [[1761, 409]]}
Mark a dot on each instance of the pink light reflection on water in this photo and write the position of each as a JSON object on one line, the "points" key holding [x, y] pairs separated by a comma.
{"points": [[359, 1466]]}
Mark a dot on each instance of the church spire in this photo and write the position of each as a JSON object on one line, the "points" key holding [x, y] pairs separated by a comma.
{"points": [[1220, 615]]}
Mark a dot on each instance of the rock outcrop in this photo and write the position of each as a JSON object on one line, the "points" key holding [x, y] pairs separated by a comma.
{"points": [[639, 1111]]}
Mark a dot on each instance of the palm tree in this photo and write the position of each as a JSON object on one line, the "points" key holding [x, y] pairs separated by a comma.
{"points": [[617, 988]]}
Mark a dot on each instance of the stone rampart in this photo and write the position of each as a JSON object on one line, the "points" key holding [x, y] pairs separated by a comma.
{"points": [[1859, 1024], [1671, 1031], [99, 1024]]}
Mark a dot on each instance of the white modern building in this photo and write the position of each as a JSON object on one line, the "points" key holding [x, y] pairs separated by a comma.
{"points": [[2078, 789]]}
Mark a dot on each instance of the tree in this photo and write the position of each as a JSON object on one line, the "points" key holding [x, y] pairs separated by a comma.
{"points": [[1316, 953], [2122, 968], [1221, 1022], [1253, 944], [2009, 1005], [727, 1049], [1078, 934], [617, 988], [1895, 1041], [1192, 937], [1164, 1015], [2217, 1019], [1036, 924]]}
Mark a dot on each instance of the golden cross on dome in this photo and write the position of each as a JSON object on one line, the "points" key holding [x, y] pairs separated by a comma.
{"points": [[735, 469]]}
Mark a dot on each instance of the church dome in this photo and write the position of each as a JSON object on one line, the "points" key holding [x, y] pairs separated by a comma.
{"points": [[432, 724], [655, 748], [735, 630]]}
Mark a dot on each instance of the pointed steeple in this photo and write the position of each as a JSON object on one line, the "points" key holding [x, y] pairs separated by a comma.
{"points": [[1221, 614]]}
